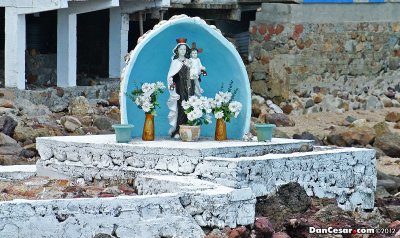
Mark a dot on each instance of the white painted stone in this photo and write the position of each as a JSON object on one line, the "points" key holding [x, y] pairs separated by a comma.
{"points": [[17, 172], [325, 172], [210, 204], [138, 216], [333, 173], [161, 155]]}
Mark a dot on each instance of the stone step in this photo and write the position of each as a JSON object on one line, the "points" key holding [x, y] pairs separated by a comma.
{"points": [[100, 156], [347, 174], [128, 216], [17, 172]]}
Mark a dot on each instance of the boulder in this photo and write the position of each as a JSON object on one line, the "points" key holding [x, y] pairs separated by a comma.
{"points": [[381, 128], [279, 119], [24, 133], [276, 133], [263, 227], [318, 98], [255, 110], [352, 136], [350, 119], [359, 123], [114, 114], [7, 125], [9, 146], [388, 165], [372, 102], [280, 234], [387, 102], [389, 143], [79, 106], [309, 103], [308, 136], [393, 212], [381, 192], [7, 104], [103, 123], [290, 198], [392, 117], [287, 108], [334, 214], [70, 123], [395, 225], [113, 100], [33, 110]]}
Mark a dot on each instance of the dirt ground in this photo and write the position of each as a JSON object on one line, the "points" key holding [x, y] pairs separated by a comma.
{"points": [[321, 124]]}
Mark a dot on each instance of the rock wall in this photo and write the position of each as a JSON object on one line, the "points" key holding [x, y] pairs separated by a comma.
{"points": [[336, 47], [346, 174], [74, 157], [138, 216]]}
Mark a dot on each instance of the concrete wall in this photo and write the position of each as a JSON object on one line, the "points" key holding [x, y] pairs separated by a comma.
{"points": [[347, 174], [298, 46], [138, 216]]}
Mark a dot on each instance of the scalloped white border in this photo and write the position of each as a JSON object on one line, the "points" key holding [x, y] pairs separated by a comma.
{"points": [[143, 40]]}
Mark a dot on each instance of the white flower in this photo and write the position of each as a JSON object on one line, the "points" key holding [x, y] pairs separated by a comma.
{"points": [[197, 113], [204, 100], [208, 119], [219, 115], [191, 116], [147, 106], [185, 104], [235, 106], [160, 85], [218, 100], [226, 97], [148, 87], [212, 103], [137, 101], [192, 99]]}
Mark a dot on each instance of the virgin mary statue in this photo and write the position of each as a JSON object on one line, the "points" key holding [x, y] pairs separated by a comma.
{"points": [[180, 86]]}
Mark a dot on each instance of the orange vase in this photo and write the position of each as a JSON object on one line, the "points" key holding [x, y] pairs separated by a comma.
{"points": [[148, 128], [220, 129]]}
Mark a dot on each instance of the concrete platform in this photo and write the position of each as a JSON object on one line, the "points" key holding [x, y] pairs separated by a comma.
{"points": [[101, 157], [168, 206], [347, 174], [17, 172]]}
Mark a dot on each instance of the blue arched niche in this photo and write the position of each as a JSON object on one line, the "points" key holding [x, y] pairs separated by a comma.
{"points": [[150, 61]]}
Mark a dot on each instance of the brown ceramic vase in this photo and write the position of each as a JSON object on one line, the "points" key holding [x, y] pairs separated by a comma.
{"points": [[148, 128], [220, 130]]}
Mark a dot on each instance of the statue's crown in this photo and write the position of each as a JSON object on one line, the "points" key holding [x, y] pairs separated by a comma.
{"points": [[181, 40]]}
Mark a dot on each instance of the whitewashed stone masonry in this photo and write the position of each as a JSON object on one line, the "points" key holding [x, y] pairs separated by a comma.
{"points": [[210, 204], [101, 157], [124, 217], [347, 174]]}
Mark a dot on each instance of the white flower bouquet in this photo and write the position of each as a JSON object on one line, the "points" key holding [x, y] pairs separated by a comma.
{"points": [[223, 106], [197, 110], [145, 97]]}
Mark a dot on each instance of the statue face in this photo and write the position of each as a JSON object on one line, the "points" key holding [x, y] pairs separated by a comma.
{"points": [[193, 54], [182, 50]]}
